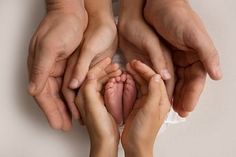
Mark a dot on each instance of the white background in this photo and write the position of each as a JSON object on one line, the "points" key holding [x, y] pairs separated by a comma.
{"points": [[24, 132]]}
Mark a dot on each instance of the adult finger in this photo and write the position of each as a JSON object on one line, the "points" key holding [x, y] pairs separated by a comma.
{"points": [[203, 45], [144, 71], [194, 81], [40, 70], [46, 102], [68, 93], [146, 40], [138, 79]]}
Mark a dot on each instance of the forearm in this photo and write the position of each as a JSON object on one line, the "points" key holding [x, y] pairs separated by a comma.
{"points": [[99, 7], [138, 153], [131, 7], [65, 5]]}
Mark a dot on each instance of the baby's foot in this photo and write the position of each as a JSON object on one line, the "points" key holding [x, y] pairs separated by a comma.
{"points": [[113, 98], [129, 95]]}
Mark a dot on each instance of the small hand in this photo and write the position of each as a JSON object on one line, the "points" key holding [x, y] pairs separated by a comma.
{"points": [[193, 51], [149, 112], [56, 38], [102, 128]]}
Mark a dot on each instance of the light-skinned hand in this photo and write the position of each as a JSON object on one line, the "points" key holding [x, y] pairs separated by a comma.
{"points": [[148, 114], [193, 51], [56, 38], [100, 41], [102, 128]]}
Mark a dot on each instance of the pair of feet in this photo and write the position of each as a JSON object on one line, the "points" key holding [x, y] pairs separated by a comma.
{"points": [[120, 95]]}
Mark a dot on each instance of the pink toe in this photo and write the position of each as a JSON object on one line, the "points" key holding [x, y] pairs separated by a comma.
{"points": [[118, 78], [123, 77]]}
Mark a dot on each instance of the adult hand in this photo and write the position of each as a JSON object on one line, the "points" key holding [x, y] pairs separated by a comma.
{"points": [[102, 128], [194, 53], [56, 38], [149, 112], [99, 41], [138, 40]]}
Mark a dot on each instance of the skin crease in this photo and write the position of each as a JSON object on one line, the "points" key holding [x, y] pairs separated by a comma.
{"points": [[55, 39], [152, 102], [99, 42]]}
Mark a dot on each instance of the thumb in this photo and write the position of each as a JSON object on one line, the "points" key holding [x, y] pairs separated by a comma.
{"points": [[157, 96], [154, 92], [40, 71], [80, 70], [207, 54]]}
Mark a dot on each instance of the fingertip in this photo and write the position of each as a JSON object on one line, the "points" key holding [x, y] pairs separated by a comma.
{"points": [[183, 114], [217, 73], [165, 74], [32, 88], [156, 78], [74, 84], [57, 125], [67, 127]]}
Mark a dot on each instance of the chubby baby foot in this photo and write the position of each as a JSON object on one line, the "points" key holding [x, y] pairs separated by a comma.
{"points": [[120, 95], [113, 98], [129, 95]]}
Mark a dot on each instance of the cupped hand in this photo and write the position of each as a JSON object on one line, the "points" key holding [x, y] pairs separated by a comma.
{"points": [[56, 38], [99, 42], [138, 40], [101, 125], [194, 53], [149, 111]]}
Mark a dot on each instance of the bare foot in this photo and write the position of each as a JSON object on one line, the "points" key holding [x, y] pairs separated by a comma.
{"points": [[129, 95], [113, 98]]}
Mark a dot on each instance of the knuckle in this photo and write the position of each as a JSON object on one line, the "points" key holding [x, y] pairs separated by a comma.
{"points": [[38, 70], [49, 45]]}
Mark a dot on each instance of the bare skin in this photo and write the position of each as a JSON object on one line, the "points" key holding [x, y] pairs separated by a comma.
{"points": [[99, 41], [119, 96], [56, 38], [138, 40], [102, 128], [194, 53], [113, 98], [144, 121]]}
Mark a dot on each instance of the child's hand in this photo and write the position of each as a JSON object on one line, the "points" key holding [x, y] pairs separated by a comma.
{"points": [[149, 112], [56, 38], [102, 128]]}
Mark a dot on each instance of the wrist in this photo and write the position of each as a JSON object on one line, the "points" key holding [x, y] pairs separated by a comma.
{"points": [[131, 8], [138, 152], [66, 6], [101, 8], [104, 148], [137, 149]]}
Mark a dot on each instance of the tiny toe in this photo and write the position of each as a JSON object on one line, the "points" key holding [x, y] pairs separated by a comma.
{"points": [[123, 77], [118, 78], [109, 85]]}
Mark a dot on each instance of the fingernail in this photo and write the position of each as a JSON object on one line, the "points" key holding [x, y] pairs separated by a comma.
{"points": [[74, 83], [165, 74], [157, 77], [31, 87]]}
